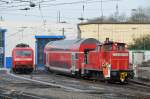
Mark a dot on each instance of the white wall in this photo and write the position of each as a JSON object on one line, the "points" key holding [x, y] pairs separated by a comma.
{"points": [[146, 55], [24, 32]]}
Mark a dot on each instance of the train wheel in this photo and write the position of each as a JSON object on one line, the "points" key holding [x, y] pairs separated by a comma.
{"points": [[48, 70], [13, 70], [29, 71]]}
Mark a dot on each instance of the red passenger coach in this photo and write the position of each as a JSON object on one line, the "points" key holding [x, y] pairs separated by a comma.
{"points": [[23, 59], [89, 58]]}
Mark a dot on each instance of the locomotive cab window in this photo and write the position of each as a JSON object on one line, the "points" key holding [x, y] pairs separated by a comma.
{"points": [[120, 47], [23, 53], [108, 47]]}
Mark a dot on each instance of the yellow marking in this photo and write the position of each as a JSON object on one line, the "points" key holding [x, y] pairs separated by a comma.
{"points": [[123, 76]]}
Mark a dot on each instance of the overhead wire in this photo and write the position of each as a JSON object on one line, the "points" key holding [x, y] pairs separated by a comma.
{"points": [[42, 17], [49, 3], [75, 2], [58, 4], [4, 1], [38, 16]]}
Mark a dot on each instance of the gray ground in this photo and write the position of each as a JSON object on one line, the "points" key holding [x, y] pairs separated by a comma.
{"points": [[72, 88], [143, 73]]}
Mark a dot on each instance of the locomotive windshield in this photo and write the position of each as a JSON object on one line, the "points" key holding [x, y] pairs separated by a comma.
{"points": [[23, 53]]}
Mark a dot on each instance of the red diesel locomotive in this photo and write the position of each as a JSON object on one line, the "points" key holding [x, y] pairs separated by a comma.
{"points": [[89, 58], [23, 59]]}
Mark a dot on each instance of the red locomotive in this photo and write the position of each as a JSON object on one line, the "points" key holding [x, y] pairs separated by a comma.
{"points": [[23, 59], [89, 58]]}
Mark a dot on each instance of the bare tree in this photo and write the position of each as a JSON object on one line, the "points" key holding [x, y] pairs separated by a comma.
{"points": [[140, 15], [97, 20]]}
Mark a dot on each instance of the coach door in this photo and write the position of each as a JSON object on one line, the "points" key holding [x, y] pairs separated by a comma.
{"points": [[86, 56], [73, 68]]}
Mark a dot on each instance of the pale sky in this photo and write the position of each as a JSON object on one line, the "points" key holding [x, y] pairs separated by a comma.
{"points": [[68, 12]]}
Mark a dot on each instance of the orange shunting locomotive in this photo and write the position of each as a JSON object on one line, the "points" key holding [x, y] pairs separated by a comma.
{"points": [[89, 58]]}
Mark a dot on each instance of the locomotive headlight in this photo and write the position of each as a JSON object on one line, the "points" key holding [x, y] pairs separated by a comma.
{"points": [[126, 46], [123, 76]]}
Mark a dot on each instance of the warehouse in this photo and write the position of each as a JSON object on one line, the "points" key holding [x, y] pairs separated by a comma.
{"points": [[122, 32]]}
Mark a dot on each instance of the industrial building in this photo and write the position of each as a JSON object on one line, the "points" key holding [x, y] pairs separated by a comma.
{"points": [[122, 32]]}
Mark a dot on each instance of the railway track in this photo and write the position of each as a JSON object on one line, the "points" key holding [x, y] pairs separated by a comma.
{"points": [[140, 83], [92, 87], [86, 80], [52, 81], [12, 94], [132, 84]]}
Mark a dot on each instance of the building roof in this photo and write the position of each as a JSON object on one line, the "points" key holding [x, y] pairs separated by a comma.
{"points": [[2, 30], [48, 37], [87, 23], [72, 44]]}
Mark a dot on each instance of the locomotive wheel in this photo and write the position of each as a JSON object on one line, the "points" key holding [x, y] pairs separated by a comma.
{"points": [[22, 71], [28, 71]]}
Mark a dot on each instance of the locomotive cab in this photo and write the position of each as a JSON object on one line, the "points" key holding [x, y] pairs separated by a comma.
{"points": [[116, 61], [23, 59]]}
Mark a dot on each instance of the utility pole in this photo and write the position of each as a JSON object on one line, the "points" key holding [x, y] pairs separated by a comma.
{"points": [[1, 19], [22, 30], [63, 31], [101, 10], [117, 12], [58, 17]]}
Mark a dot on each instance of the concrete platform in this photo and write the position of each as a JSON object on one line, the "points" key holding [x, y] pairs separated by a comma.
{"points": [[143, 75], [4, 70]]}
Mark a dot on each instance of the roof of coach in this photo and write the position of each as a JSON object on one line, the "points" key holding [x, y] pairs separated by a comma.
{"points": [[74, 44]]}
